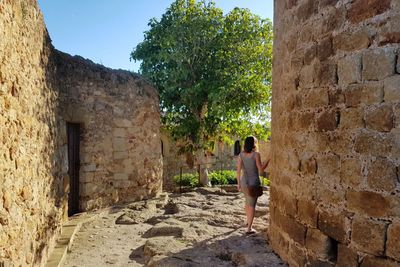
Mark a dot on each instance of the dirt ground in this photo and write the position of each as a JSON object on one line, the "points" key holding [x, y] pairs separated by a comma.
{"points": [[204, 227]]}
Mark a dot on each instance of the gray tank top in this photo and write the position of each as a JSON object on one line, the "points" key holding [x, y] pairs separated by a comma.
{"points": [[250, 170]]}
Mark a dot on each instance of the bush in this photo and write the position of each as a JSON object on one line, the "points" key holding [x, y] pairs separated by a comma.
{"points": [[222, 177], [265, 181], [187, 179]]}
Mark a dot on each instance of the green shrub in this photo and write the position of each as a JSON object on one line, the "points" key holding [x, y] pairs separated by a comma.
{"points": [[222, 177], [265, 181], [187, 179]]}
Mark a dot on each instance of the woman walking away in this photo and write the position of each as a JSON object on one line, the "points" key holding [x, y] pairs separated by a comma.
{"points": [[250, 162]]}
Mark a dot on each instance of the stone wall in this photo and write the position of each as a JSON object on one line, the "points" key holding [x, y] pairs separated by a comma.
{"points": [[32, 140], [335, 196], [120, 131], [41, 90]]}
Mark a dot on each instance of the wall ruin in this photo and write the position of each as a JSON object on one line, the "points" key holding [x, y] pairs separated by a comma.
{"points": [[335, 195], [120, 131], [41, 90]]}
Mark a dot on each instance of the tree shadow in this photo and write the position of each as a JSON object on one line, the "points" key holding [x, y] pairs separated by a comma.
{"points": [[232, 248]]}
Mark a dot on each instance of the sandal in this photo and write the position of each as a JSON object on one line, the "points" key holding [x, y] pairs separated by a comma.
{"points": [[252, 231]]}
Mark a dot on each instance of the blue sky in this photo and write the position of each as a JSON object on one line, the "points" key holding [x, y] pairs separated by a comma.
{"points": [[106, 31]]}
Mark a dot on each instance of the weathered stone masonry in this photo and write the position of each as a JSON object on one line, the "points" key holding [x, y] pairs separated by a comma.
{"points": [[120, 139], [41, 90], [335, 195]]}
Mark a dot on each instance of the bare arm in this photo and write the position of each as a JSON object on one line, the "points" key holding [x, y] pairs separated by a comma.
{"points": [[258, 163], [238, 171], [266, 164]]}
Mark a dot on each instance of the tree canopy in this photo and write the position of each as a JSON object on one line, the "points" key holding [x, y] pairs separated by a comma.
{"points": [[213, 71]]}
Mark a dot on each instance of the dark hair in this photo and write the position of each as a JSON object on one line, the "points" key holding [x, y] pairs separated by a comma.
{"points": [[249, 144]]}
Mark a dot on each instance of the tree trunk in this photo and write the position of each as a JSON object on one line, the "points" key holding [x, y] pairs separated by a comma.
{"points": [[203, 171]]}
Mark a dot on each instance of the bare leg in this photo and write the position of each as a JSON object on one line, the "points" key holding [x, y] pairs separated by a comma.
{"points": [[250, 216]]}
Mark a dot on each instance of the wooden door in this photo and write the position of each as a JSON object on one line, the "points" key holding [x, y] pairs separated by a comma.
{"points": [[73, 167]]}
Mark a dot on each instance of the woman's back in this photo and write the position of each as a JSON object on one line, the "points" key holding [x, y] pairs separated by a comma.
{"points": [[250, 170]]}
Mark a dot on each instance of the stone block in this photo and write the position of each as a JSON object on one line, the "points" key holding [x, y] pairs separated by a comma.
{"points": [[368, 203], [351, 172], [378, 64], [398, 65], [88, 168], [279, 243], [349, 70], [392, 88], [308, 165], [309, 54], [307, 78], [290, 3], [327, 120], [380, 118], [352, 41], [120, 155], [369, 236], [319, 243], [297, 60], [119, 132], [86, 177], [324, 48], [389, 38], [346, 256], [382, 175], [297, 254], [123, 123], [294, 229], [315, 98], [329, 167], [121, 176], [285, 202], [88, 190], [306, 9], [329, 193], [307, 212], [120, 144], [372, 261], [122, 184], [359, 10], [393, 241], [325, 3], [326, 74], [336, 96], [364, 94], [352, 118], [333, 225], [372, 144]]}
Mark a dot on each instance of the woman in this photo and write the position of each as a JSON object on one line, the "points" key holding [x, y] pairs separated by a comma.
{"points": [[250, 162]]}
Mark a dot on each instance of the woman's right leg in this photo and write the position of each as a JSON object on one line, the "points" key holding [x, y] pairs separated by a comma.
{"points": [[250, 210]]}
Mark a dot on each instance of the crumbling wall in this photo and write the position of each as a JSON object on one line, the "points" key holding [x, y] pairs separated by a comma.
{"points": [[32, 139], [120, 131], [335, 195], [41, 90]]}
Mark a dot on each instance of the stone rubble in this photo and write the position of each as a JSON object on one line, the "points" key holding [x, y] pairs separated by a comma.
{"points": [[202, 227]]}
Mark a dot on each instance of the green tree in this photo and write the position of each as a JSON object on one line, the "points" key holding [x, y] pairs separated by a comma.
{"points": [[213, 71]]}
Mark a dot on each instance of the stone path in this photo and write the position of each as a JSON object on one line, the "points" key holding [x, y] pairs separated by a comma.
{"points": [[204, 227]]}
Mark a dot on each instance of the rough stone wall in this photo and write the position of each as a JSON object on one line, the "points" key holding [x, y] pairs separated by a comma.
{"points": [[120, 131], [335, 196], [41, 90], [32, 139]]}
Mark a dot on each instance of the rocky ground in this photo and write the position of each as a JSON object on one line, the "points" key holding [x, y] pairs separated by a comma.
{"points": [[204, 227]]}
